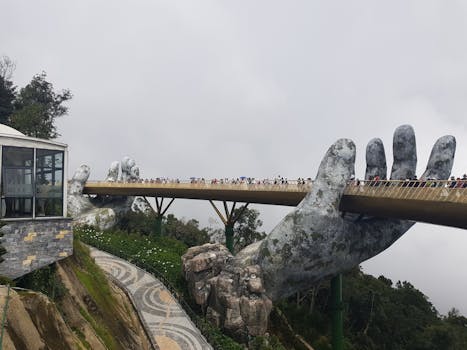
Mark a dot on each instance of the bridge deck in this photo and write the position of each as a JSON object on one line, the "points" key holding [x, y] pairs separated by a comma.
{"points": [[440, 205]]}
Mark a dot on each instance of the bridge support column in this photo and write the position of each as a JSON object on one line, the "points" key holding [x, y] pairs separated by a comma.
{"points": [[159, 213], [229, 237], [229, 221], [158, 225], [337, 313]]}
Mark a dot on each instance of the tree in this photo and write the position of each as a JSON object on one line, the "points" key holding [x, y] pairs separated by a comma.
{"points": [[186, 231], [37, 106], [7, 89], [7, 96], [137, 222], [7, 67], [246, 228]]}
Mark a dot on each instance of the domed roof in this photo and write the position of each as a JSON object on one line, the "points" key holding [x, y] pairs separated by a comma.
{"points": [[5, 129]]}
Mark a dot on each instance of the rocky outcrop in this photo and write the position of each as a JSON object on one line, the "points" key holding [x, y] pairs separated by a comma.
{"points": [[140, 204], [315, 241], [231, 293]]}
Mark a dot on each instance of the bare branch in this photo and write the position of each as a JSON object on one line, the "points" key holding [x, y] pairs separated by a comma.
{"points": [[7, 67]]}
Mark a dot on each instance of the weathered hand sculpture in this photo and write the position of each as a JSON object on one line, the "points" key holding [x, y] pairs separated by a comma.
{"points": [[313, 242], [102, 211]]}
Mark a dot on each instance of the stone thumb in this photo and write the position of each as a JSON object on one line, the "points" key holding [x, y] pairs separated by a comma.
{"points": [[335, 171], [78, 180]]}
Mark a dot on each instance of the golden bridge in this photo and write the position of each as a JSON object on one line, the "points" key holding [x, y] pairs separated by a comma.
{"points": [[435, 202]]}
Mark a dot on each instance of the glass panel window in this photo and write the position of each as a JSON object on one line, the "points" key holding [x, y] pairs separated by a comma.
{"points": [[49, 182], [17, 182], [59, 160], [16, 207], [17, 156], [49, 207]]}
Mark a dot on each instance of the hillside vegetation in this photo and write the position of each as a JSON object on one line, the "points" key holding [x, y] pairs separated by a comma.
{"points": [[378, 313], [89, 312]]}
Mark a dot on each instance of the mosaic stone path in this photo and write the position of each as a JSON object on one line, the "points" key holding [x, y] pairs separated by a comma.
{"points": [[166, 322]]}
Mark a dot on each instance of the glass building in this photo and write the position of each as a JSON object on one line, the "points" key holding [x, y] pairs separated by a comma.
{"points": [[32, 176], [36, 231]]}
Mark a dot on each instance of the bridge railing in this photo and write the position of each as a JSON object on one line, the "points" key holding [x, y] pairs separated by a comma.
{"points": [[439, 190], [429, 190], [290, 185]]}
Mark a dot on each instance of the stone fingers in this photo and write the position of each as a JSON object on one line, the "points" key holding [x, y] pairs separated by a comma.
{"points": [[375, 160], [405, 153], [129, 169], [441, 159], [112, 174]]}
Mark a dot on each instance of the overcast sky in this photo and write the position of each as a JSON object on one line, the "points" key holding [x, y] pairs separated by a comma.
{"points": [[256, 88]]}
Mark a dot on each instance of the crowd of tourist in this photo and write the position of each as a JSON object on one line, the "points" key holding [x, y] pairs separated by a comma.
{"points": [[453, 182], [279, 180]]}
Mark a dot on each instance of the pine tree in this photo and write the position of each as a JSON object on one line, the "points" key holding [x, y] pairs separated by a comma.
{"points": [[7, 96]]}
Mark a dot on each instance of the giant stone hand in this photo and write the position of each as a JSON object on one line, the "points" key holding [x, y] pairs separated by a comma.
{"points": [[315, 241], [102, 212]]}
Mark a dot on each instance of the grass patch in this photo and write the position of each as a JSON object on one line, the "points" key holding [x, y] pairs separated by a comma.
{"points": [[93, 278], [100, 302], [100, 330], [82, 338]]}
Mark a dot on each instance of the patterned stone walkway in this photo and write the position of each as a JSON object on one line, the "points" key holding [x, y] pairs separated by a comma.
{"points": [[167, 323]]}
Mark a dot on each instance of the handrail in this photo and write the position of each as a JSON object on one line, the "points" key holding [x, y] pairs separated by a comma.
{"points": [[422, 183]]}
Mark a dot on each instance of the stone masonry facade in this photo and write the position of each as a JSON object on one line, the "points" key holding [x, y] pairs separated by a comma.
{"points": [[32, 244]]}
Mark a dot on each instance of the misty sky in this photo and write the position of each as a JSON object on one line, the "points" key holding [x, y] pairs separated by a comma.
{"points": [[256, 88]]}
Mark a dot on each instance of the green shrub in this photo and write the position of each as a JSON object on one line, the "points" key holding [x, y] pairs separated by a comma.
{"points": [[137, 222], [43, 280], [148, 252], [187, 232], [2, 248], [266, 343], [5, 281]]}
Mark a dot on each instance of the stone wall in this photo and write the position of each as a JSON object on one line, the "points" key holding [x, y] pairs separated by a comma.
{"points": [[32, 244]]}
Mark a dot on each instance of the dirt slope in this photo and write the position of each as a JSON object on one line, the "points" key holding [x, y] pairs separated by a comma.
{"points": [[93, 313]]}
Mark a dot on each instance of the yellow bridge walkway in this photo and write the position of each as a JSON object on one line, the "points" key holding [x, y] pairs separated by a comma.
{"points": [[436, 202]]}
